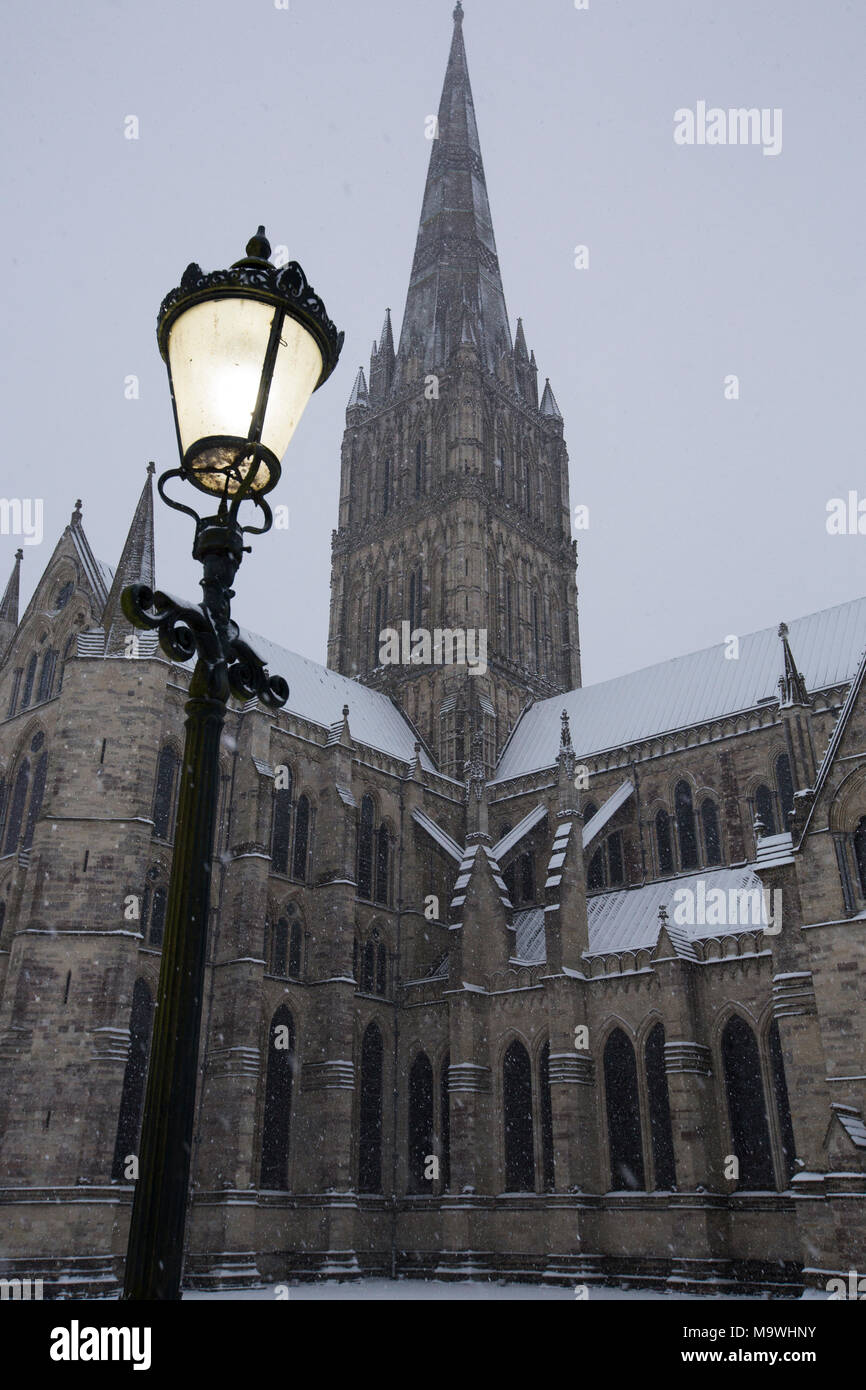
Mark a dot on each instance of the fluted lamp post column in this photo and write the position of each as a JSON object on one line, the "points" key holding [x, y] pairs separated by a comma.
{"points": [[245, 349]]}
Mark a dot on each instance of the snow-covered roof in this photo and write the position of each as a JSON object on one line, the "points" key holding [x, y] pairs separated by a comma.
{"points": [[513, 837], [530, 946], [442, 838], [317, 694], [852, 1122], [608, 810], [688, 690], [99, 574], [629, 920]]}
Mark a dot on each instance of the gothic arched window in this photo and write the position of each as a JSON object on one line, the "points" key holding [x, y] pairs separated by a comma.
{"points": [[157, 916], [295, 951], [660, 1110], [415, 599], [280, 947], [17, 802], [747, 1110], [382, 865], [536, 632], [381, 969], [278, 1101], [546, 1117], [420, 1121], [509, 618], [444, 1125], [134, 1078], [67, 654], [859, 840], [517, 1095], [785, 787], [686, 829], [595, 872], [166, 793], [664, 843], [419, 469], [370, 1112], [615, 862], [712, 838], [379, 623], [623, 1113], [765, 810], [302, 839], [386, 487], [526, 879], [780, 1093], [36, 795], [368, 968], [365, 849], [46, 675], [281, 825], [13, 694], [28, 681]]}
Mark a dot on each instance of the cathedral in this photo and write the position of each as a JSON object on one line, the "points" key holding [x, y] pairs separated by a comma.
{"points": [[508, 977]]}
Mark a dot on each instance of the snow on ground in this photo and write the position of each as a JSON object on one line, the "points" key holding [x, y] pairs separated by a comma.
{"points": [[407, 1290]]}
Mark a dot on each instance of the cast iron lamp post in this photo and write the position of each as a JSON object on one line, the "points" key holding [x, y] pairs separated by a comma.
{"points": [[245, 349]]}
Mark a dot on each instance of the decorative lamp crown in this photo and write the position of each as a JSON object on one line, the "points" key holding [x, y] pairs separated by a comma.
{"points": [[245, 349]]}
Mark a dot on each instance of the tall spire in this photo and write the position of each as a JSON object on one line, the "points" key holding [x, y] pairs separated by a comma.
{"points": [[9, 606], [135, 566], [455, 254]]}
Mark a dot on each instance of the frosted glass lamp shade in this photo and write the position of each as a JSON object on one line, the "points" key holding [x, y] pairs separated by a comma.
{"points": [[241, 370]]}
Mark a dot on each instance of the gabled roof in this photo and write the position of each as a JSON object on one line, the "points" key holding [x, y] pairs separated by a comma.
{"points": [[317, 694], [687, 690]]}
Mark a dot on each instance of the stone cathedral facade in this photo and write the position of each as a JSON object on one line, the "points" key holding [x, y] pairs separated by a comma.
{"points": [[507, 976]]}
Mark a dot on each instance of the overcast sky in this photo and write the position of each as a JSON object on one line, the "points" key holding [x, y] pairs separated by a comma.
{"points": [[707, 515]]}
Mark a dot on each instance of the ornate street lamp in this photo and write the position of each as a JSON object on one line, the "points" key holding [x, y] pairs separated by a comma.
{"points": [[245, 349]]}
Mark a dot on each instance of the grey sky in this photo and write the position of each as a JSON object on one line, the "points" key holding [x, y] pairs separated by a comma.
{"points": [[707, 516]]}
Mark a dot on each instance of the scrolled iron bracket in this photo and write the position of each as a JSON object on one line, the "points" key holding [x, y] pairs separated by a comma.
{"points": [[225, 663]]}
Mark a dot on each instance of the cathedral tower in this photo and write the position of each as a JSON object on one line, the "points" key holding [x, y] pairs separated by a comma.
{"points": [[454, 502]]}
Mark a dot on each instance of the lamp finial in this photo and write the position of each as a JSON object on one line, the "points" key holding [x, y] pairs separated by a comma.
{"points": [[259, 246]]}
